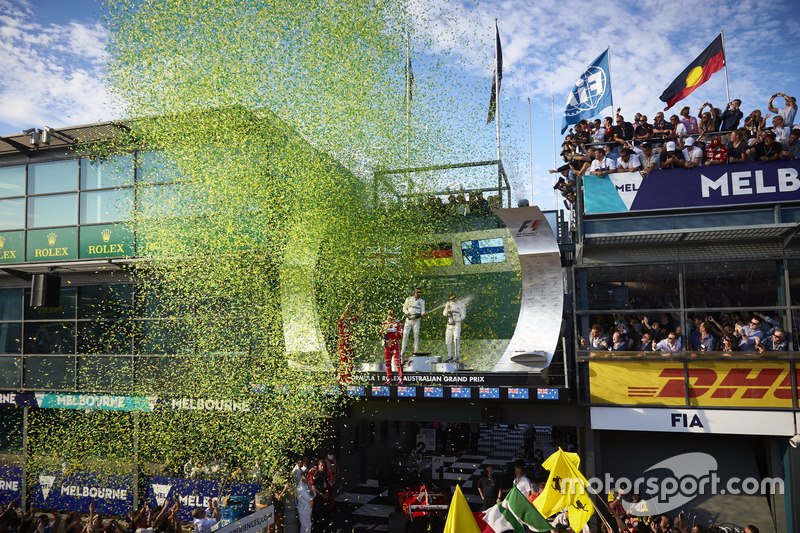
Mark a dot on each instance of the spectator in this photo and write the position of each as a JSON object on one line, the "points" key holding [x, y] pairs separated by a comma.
{"points": [[319, 507], [688, 121], [677, 129], [781, 132], [205, 519], [597, 339], [598, 131], [670, 345], [768, 150], [715, 153], [737, 148], [647, 343], [707, 123], [671, 157], [729, 344], [748, 334], [694, 337], [643, 130], [707, 341], [692, 154], [521, 481], [619, 342], [787, 112], [731, 116], [754, 122], [602, 165], [489, 488], [791, 150], [777, 342], [608, 124], [649, 160], [623, 131], [628, 161], [661, 128]]}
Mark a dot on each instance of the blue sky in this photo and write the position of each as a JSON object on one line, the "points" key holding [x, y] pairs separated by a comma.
{"points": [[52, 58]]}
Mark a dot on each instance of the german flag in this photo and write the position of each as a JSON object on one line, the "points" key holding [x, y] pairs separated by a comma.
{"points": [[436, 255], [710, 61]]}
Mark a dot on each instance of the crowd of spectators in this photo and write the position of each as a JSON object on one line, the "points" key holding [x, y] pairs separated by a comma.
{"points": [[161, 519], [714, 137], [725, 334]]}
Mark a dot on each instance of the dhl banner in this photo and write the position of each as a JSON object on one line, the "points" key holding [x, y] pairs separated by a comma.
{"points": [[711, 384]]}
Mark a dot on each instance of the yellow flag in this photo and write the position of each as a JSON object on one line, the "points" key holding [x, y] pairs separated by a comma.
{"points": [[566, 489], [460, 518]]}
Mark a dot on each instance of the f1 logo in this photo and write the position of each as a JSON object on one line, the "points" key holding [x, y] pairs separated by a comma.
{"points": [[525, 224]]}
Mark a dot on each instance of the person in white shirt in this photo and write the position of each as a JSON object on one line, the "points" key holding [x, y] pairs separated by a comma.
{"points": [[692, 154], [781, 132], [602, 165], [205, 520], [628, 161], [304, 504], [670, 345], [414, 310], [522, 482], [456, 312]]}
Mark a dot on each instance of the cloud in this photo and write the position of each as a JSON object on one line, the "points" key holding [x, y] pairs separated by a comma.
{"points": [[52, 73]]}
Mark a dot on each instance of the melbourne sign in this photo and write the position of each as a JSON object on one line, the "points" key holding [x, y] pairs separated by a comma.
{"points": [[194, 493], [110, 493], [713, 384], [711, 186]]}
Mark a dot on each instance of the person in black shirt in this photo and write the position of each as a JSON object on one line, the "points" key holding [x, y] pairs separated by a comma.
{"points": [[319, 510], [489, 488], [731, 116], [737, 148], [768, 150], [623, 131], [671, 157]]}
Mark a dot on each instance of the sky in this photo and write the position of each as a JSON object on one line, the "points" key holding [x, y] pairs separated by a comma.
{"points": [[52, 59]]}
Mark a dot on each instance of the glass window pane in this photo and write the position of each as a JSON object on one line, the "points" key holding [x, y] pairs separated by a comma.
{"points": [[162, 337], [106, 206], [10, 372], [58, 210], [105, 373], [105, 301], [12, 214], [636, 287], [49, 337], [115, 171], [11, 304], [55, 176], [49, 373], [154, 167], [65, 309], [733, 284], [105, 337], [793, 266], [12, 181], [10, 337], [483, 251]]}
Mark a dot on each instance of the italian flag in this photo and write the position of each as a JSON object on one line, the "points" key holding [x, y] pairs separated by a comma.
{"points": [[515, 513]]}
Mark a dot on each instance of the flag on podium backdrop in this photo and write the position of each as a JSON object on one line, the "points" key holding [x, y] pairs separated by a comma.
{"points": [[459, 516], [497, 75], [591, 94], [696, 74], [566, 489]]}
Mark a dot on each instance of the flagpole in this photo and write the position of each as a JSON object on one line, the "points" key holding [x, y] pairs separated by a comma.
{"points": [[530, 132], [555, 164], [725, 59], [408, 108], [497, 112], [609, 75]]}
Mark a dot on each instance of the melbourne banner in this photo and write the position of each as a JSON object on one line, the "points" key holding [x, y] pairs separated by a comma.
{"points": [[10, 484], [194, 493], [111, 493], [720, 185], [712, 384]]}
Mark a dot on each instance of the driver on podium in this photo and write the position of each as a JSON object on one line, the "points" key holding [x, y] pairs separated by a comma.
{"points": [[413, 309], [456, 312], [390, 331]]}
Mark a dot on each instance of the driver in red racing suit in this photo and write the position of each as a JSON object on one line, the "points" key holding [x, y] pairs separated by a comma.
{"points": [[392, 332]]}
